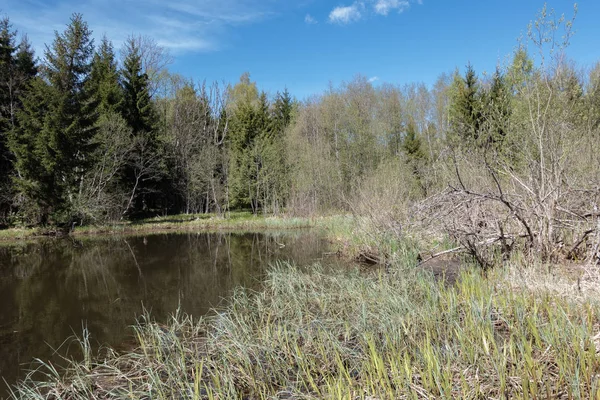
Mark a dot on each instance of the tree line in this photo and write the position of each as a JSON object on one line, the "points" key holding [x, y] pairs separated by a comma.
{"points": [[86, 138], [505, 158]]}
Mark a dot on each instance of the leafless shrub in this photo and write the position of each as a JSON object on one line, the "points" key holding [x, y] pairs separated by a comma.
{"points": [[538, 192], [383, 199]]}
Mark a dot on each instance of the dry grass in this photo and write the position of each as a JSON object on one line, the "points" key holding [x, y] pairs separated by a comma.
{"points": [[314, 334]]}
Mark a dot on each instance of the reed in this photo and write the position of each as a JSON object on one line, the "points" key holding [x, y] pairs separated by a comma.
{"points": [[343, 334]]}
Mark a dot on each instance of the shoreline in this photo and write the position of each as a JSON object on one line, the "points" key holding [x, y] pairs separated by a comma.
{"points": [[345, 334], [177, 223]]}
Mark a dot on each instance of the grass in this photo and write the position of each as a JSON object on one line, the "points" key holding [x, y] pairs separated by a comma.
{"points": [[520, 331], [240, 221], [235, 221], [315, 333], [19, 233]]}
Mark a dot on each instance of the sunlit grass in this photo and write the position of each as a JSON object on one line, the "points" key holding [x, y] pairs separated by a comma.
{"points": [[18, 233], [202, 222], [235, 221], [341, 334]]}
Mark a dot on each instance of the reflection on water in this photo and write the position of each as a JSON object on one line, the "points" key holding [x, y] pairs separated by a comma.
{"points": [[50, 288]]}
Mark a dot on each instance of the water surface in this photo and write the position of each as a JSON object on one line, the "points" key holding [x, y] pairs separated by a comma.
{"points": [[50, 289]]}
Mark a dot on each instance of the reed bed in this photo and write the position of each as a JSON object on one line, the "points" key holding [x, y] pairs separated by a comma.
{"points": [[315, 333]]}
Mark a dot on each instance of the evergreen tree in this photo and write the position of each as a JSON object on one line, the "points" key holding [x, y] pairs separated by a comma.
{"points": [[413, 149], [17, 68], [7, 50], [53, 142], [26, 65], [465, 108], [496, 112], [282, 111], [277, 159], [411, 144], [143, 176], [138, 109], [104, 83], [248, 135]]}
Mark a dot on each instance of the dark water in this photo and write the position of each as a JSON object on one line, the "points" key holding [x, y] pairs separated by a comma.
{"points": [[49, 289]]}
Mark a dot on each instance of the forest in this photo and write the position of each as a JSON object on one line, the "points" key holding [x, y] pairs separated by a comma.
{"points": [[498, 161], [471, 204]]}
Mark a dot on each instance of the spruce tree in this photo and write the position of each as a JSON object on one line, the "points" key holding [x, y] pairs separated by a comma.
{"points": [[53, 141], [413, 149], [17, 67], [7, 50], [138, 109], [249, 138], [496, 112], [411, 144], [282, 111], [105, 81], [143, 175], [465, 108]]}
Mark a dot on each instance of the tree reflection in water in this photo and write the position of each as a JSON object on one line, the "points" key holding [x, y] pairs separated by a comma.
{"points": [[51, 288]]}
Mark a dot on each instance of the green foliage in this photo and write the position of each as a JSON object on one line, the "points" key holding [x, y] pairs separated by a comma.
{"points": [[413, 149], [192, 148], [57, 123], [144, 173], [7, 64], [138, 109], [465, 108], [496, 113], [411, 144], [105, 81], [282, 114], [248, 140], [17, 68]]}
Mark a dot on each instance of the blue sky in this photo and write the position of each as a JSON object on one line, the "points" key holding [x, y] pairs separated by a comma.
{"points": [[303, 45]]}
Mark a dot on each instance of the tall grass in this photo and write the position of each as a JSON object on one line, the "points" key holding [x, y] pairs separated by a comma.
{"points": [[316, 333]]}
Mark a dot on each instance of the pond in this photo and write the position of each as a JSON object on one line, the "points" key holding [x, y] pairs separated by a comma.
{"points": [[51, 289]]}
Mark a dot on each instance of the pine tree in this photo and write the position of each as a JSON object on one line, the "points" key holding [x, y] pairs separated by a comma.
{"points": [[58, 121]]}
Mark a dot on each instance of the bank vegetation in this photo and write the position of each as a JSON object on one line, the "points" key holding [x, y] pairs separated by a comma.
{"points": [[499, 172]]}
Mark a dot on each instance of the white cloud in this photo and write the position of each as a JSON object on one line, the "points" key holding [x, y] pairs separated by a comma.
{"points": [[181, 26], [345, 15], [383, 7], [310, 20], [373, 79]]}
